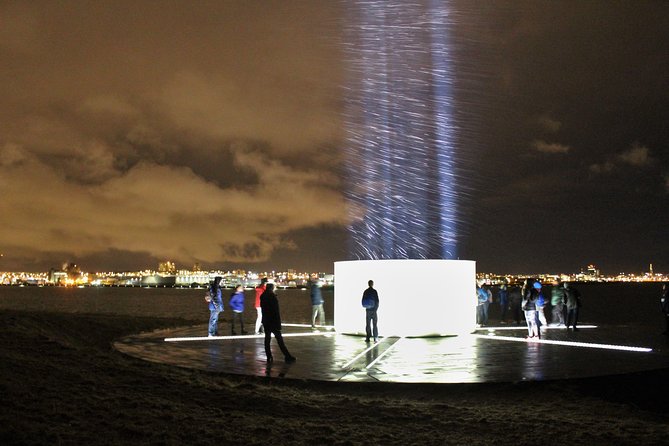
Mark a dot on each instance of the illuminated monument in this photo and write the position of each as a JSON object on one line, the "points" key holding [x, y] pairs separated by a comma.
{"points": [[401, 172]]}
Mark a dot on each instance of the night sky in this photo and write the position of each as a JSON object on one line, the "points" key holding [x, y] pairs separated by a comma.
{"points": [[212, 132]]}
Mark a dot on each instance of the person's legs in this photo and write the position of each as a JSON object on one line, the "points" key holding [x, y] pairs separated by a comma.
{"points": [[321, 314], [268, 338], [314, 312], [368, 328], [213, 322], [375, 331], [258, 320], [282, 346]]}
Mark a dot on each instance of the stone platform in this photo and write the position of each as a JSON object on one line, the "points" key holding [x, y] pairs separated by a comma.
{"points": [[491, 354]]}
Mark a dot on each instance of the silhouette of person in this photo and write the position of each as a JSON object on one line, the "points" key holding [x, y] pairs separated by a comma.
{"points": [[271, 321], [503, 297], [215, 305], [557, 302], [259, 290], [572, 301], [664, 305], [317, 303], [237, 306], [370, 301]]}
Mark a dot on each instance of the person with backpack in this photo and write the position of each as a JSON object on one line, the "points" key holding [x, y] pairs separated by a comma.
{"points": [[370, 302], [215, 305]]}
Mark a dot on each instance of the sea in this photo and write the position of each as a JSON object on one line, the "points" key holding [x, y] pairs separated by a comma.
{"points": [[603, 303]]}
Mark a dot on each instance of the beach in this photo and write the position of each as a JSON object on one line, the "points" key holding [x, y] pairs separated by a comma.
{"points": [[63, 383]]}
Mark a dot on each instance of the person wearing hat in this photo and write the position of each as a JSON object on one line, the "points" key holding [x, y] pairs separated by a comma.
{"points": [[540, 304]]}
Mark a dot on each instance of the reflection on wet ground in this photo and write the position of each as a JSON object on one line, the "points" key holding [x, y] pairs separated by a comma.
{"points": [[489, 355]]}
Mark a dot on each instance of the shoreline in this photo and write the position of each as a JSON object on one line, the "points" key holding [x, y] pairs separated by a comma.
{"points": [[62, 382]]}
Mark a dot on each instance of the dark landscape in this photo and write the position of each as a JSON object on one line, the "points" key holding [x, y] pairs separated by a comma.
{"points": [[62, 383]]}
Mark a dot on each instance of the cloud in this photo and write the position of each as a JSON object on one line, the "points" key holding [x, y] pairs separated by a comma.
{"points": [[167, 211], [636, 156], [549, 124], [545, 147]]}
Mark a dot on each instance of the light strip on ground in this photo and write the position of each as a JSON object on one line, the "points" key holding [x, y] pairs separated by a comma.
{"points": [[325, 327], [524, 327], [369, 366], [356, 357], [225, 338], [568, 343]]}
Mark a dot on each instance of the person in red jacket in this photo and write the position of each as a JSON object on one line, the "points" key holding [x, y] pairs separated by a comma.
{"points": [[259, 290]]}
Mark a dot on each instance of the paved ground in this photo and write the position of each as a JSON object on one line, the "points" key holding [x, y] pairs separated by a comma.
{"points": [[494, 354]]}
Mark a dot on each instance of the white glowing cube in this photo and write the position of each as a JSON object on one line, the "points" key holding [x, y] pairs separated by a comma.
{"points": [[416, 297]]}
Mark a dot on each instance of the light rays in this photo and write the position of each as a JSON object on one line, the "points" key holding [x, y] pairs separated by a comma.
{"points": [[400, 140]]}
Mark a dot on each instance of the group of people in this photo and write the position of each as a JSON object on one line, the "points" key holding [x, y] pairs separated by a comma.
{"points": [[268, 319], [528, 301], [268, 314]]}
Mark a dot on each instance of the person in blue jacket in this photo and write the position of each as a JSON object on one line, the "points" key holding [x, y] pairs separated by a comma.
{"points": [[215, 305], [237, 306]]}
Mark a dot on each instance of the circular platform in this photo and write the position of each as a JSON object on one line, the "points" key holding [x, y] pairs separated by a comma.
{"points": [[493, 354]]}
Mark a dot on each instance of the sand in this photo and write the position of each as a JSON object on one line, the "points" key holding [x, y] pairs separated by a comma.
{"points": [[62, 383]]}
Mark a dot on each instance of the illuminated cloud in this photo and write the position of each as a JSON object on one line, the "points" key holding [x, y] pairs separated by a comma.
{"points": [[549, 124], [545, 147], [636, 156]]}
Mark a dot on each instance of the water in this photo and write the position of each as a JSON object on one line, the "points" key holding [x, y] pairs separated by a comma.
{"points": [[603, 303]]}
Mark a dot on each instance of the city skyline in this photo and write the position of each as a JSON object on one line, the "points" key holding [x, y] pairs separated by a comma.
{"points": [[214, 133]]}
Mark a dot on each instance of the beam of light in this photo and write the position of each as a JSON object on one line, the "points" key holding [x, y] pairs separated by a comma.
{"points": [[378, 358], [324, 327], [356, 357], [227, 338], [524, 327], [568, 343], [400, 132]]}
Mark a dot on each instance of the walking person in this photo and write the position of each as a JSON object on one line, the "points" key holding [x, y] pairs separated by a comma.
{"points": [[259, 290], [237, 306], [317, 303], [572, 302], [215, 305], [271, 321], [370, 301], [557, 304], [664, 305]]}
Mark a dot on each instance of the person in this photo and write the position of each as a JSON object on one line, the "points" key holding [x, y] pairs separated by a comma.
{"points": [[572, 302], [664, 305], [515, 302], [370, 301], [215, 305], [557, 304], [259, 290], [237, 306], [271, 321], [542, 323], [317, 303], [530, 296], [503, 297], [483, 296]]}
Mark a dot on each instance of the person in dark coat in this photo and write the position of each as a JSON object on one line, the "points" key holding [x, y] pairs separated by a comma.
{"points": [[572, 302], [370, 302], [271, 321], [215, 305], [664, 305], [515, 301]]}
